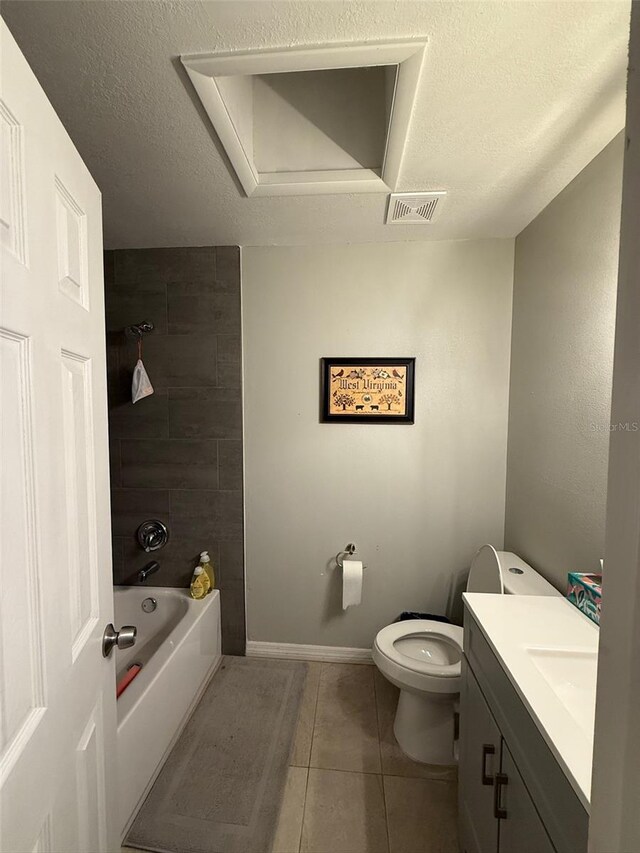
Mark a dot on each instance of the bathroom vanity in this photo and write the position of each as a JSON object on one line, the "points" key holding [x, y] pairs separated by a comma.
{"points": [[527, 706]]}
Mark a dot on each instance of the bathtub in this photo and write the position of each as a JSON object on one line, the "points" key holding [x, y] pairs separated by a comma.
{"points": [[178, 645]]}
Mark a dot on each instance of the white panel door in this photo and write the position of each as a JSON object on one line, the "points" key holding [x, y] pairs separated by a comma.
{"points": [[57, 700]]}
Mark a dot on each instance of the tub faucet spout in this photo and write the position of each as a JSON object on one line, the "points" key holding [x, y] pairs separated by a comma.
{"points": [[149, 569]]}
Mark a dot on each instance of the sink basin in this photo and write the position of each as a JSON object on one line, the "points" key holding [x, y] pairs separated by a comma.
{"points": [[571, 674]]}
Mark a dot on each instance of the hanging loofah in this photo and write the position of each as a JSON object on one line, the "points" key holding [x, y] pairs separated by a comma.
{"points": [[141, 385]]}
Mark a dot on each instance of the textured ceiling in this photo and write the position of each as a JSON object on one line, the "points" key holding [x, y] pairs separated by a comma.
{"points": [[515, 99]]}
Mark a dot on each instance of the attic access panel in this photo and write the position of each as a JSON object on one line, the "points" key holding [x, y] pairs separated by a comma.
{"points": [[314, 120], [325, 120]]}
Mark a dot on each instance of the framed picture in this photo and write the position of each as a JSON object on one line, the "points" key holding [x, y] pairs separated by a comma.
{"points": [[367, 390]]}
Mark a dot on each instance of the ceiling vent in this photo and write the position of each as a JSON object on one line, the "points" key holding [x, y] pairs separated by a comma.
{"points": [[412, 208]]}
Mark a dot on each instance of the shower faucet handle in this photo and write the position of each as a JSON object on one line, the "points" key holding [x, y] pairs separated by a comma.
{"points": [[152, 535]]}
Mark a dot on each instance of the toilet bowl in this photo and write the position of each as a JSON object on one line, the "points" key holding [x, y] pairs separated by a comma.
{"points": [[423, 658]]}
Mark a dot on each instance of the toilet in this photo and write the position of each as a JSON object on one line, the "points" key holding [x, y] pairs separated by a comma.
{"points": [[422, 657]]}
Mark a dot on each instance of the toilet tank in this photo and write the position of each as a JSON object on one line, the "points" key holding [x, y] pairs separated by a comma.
{"points": [[504, 572], [520, 579]]}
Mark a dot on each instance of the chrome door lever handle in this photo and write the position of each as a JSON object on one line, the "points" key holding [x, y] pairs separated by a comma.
{"points": [[123, 639]]}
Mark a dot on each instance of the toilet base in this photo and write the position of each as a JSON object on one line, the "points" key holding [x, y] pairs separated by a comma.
{"points": [[424, 726]]}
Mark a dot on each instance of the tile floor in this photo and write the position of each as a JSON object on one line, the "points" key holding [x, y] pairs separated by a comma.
{"points": [[350, 789]]}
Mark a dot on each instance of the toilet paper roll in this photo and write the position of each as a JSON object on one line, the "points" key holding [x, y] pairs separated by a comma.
{"points": [[351, 583]]}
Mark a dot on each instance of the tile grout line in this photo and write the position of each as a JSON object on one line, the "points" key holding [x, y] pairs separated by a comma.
{"points": [[217, 363], [109, 407], [173, 489], [306, 787], [384, 794], [375, 700], [315, 713], [304, 809], [353, 772], [166, 313]]}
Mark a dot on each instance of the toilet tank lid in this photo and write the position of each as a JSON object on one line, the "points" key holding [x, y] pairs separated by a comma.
{"points": [[485, 574], [519, 578]]}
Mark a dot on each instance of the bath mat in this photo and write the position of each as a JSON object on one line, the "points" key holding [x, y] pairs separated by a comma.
{"points": [[221, 787]]}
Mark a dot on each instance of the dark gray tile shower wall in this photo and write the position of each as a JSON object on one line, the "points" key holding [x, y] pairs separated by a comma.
{"points": [[177, 455]]}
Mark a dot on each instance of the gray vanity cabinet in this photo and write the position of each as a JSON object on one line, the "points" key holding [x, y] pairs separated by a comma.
{"points": [[497, 814], [513, 794], [479, 761], [522, 830]]}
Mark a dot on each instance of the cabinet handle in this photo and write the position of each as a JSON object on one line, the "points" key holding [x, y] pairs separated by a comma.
{"points": [[500, 780], [487, 749]]}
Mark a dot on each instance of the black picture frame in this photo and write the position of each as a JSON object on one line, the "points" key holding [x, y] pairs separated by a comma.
{"points": [[330, 376]]}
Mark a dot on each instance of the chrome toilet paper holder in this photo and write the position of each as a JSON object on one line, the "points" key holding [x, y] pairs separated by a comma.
{"points": [[349, 551]]}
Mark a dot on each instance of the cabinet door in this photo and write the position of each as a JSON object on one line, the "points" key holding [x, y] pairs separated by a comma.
{"points": [[479, 761], [521, 829]]}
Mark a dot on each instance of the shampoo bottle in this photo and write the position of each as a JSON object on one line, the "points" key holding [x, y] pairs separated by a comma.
{"points": [[207, 565], [200, 584]]}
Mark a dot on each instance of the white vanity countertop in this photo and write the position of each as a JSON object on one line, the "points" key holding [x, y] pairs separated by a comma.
{"points": [[548, 650]]}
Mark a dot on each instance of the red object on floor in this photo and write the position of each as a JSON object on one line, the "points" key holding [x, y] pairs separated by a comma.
{"points": [[127, 678]]}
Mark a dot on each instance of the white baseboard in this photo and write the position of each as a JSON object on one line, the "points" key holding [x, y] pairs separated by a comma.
{"points": [[295, 651]]}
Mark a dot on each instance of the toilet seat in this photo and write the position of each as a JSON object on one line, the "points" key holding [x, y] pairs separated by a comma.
{"points": [[432, 662]]}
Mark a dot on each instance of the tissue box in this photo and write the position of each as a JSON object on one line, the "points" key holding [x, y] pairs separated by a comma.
{"points": [[585, 591]]}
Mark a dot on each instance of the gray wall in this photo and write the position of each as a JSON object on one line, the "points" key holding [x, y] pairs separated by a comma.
{"points": [[417, 500], [561, 371], [177, 455]]}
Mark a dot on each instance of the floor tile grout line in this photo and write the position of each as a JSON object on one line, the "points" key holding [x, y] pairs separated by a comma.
{"points": [[375, 699], [342, 770], [315, 712], [383, 774], [384, 794], [306, 787], [304, 808], [421, 778]]}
